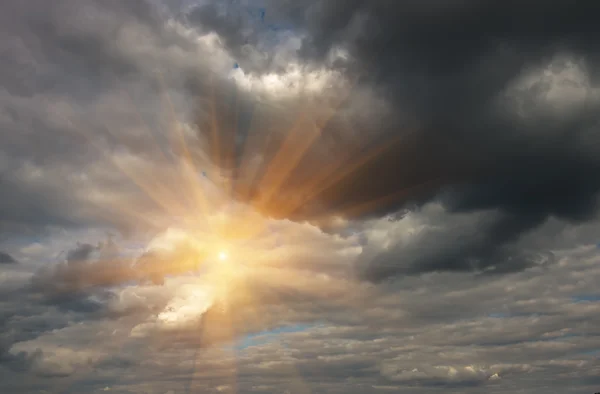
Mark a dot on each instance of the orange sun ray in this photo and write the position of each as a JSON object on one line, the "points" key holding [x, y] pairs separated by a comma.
{"points": [[189, 170], [302, 135], [157, 192]]}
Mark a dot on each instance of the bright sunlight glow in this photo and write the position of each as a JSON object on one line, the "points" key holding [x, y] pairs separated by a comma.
{"points": [[222, 256]]}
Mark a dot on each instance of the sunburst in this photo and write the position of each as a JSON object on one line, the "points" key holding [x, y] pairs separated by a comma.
{"points": [[225, 227]]}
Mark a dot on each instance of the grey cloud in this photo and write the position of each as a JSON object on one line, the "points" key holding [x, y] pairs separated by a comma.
{"points": [[432, 239], [25, 320], [6, 258], [78, 273], [486, 136], [255, 41], [420, 332], [477, 148], [80, 88], [83, 280], [513, 162], [63, 44]]}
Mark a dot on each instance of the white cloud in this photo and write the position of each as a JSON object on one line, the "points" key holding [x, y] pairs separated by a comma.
{"points": [[558, 89]]}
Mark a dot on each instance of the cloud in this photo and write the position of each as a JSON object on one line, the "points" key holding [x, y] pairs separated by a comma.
{"points": [[91, 84], [505, 122], [81, 271], [418, 181], [420, 331], [5, 258], [433, 239]]}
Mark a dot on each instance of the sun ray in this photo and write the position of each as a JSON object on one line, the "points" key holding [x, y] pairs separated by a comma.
{"points": [[326, 178], [254, 317], [189, 171], [337, 171], [383, 201], [214, 128], [231, 133], [153, 189], [216, 333], [276, 286], [253, 142], [222, 326], [143, 124], [193, 185], [298, 141]]}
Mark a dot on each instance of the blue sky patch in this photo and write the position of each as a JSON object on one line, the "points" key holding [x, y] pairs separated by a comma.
{"points": [[594, 352], [269, 336], [586, 298]]}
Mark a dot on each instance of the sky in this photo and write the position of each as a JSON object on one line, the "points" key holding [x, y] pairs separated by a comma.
{"points": [[308, 196]]}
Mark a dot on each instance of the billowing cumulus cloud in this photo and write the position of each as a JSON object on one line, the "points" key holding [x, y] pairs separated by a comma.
{"points": [[299, 196], [486, 110]]}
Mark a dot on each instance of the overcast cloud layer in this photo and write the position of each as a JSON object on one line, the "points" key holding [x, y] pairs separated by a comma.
{"points": [[425, 175]]}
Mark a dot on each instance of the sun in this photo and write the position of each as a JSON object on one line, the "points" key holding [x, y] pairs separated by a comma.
{"points": [[223, 256]]}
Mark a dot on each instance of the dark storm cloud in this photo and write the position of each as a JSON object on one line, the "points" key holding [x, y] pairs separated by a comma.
{"points": [[455, 244], [6, 258], [485, 139]]}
